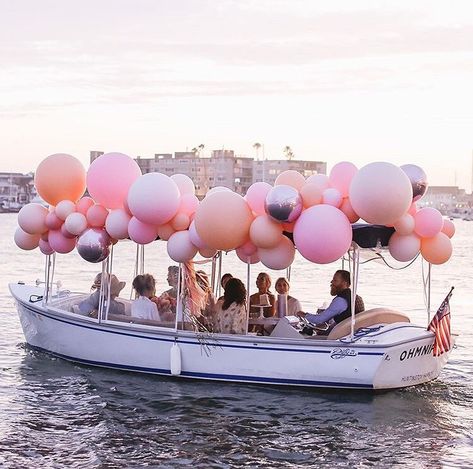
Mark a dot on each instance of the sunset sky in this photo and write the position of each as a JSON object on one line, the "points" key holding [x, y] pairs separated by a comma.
{"points": [[347, 80]]}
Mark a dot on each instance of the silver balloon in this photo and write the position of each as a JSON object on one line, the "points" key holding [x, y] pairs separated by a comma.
{"points": [[93, 245], [418, 180], [283, 203]]}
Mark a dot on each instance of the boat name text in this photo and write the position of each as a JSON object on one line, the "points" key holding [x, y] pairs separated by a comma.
{"points": [[342, 353], [416, 352]]}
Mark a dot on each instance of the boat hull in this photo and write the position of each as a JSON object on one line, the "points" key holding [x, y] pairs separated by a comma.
{"points": [[250, 359]]}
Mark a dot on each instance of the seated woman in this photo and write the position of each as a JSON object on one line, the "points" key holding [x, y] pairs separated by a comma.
{"points": [[143, 307], [91, 304], [230, 313], [167, 301], [293, 304]]}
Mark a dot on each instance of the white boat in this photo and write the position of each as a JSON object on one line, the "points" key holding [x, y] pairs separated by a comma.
{"points": [[376, 349]]}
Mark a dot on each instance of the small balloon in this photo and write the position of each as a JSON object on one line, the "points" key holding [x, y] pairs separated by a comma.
{"points": [[93, 245], [283, 203]]}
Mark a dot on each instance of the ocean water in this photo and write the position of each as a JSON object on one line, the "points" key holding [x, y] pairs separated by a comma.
{"points": [[55, 413]]}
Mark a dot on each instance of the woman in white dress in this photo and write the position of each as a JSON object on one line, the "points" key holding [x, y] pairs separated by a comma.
{"points": [[143, 307], [293, 304]]}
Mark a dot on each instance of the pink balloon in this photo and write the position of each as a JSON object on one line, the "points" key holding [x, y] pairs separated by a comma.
{"points": [[188, 204], [165, 231], [412, 209], [180, 222], [184, 183], [25, 240], [436, 250], [45, 248], [347, 209], [154, 198], [110, 177], [141, 233], [290, 177], [52, 221], [248, 249], [67, 234], [322, 234], [341, 176], [84, 204], [332, 197], [97, 215], [264, 232], [180, 248], [207, 252], [117, 222], [256, 195], [405, 225], [279, 257], [428, 222], [448, 227], [60, 243], [64, 208], [195, 238], [248, 259], [404, 247], [45, 236], [76, 223], [380, 193], [320, 180], [32, 219]]}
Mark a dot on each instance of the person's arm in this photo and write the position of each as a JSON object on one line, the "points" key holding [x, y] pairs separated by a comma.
{"points": [[337, 306]]}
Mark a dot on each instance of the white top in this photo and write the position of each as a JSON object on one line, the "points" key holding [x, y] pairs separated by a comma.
{"points": [[144, 308], [293, 306]]}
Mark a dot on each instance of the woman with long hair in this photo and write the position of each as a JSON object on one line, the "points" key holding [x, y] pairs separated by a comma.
{"points": [[230, 312]]}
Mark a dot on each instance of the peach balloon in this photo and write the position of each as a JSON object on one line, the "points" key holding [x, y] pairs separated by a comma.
{"points": [[341, 176], [84, 204], [154, 198], [412, 209], [207, 252], [141, 233], [97, 215], [66, 233], [45, 248], [436, 250], [448, 227], [188, 204], [184, 183], [223, 221], [291, 178], [180, 222], [320, 180], [117, 222], [279, 257], [380, 193], [428, 222], [404, 247], [347, 209], [332, 197], [180, 247], [405, 225], [60, 177], [110, 177], [64, 209], [45, 236], [76, 223], [252, 259], [264, 232], [311, 194], [25, 240], [165, 231], [289, 227], [52, 221], [32, 218], [60, 243], [256, 195]]}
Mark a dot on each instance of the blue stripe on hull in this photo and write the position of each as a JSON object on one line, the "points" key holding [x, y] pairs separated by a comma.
{"points": [[210, 376]]}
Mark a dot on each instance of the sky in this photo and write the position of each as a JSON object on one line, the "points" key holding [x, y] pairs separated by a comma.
{"points": [[348, 80]]}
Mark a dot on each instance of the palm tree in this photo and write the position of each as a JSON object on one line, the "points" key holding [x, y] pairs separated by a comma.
{"points": [[257, 147], [288, 153]]}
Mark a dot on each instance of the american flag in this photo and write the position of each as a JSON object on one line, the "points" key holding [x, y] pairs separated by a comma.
{"points": [[440, 326]]}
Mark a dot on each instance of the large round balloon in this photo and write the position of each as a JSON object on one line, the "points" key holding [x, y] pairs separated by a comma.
{"points": [[32, 218], [404, 247], [418, 180], [116, 223], [279, 257], [60, 177], [428, 222], [180, 247], [93, 245], [223, 220], [141, 233], [291, 178], [322, 234], [154, 198], [380, 193], [436, 250], [265, 232], [283, 203], [109, 178]]}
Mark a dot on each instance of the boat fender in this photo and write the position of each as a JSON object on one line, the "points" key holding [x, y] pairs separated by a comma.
{"points": [[175, 360]]}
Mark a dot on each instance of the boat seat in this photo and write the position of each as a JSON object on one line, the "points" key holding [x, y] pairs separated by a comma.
{"points": [[133, 320], [365, 319]]}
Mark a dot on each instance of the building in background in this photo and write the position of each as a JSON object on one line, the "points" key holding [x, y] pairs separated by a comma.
{"points": [[450, 200], [16, 190], [94, 155], [268, 170]]}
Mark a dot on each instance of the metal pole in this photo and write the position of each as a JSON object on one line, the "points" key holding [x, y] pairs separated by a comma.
{"points": [[428, 294], [248, 274], [178, 299], [356, 264]]}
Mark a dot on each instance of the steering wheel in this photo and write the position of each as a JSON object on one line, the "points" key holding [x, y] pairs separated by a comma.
{"points": [[315, 327]]}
